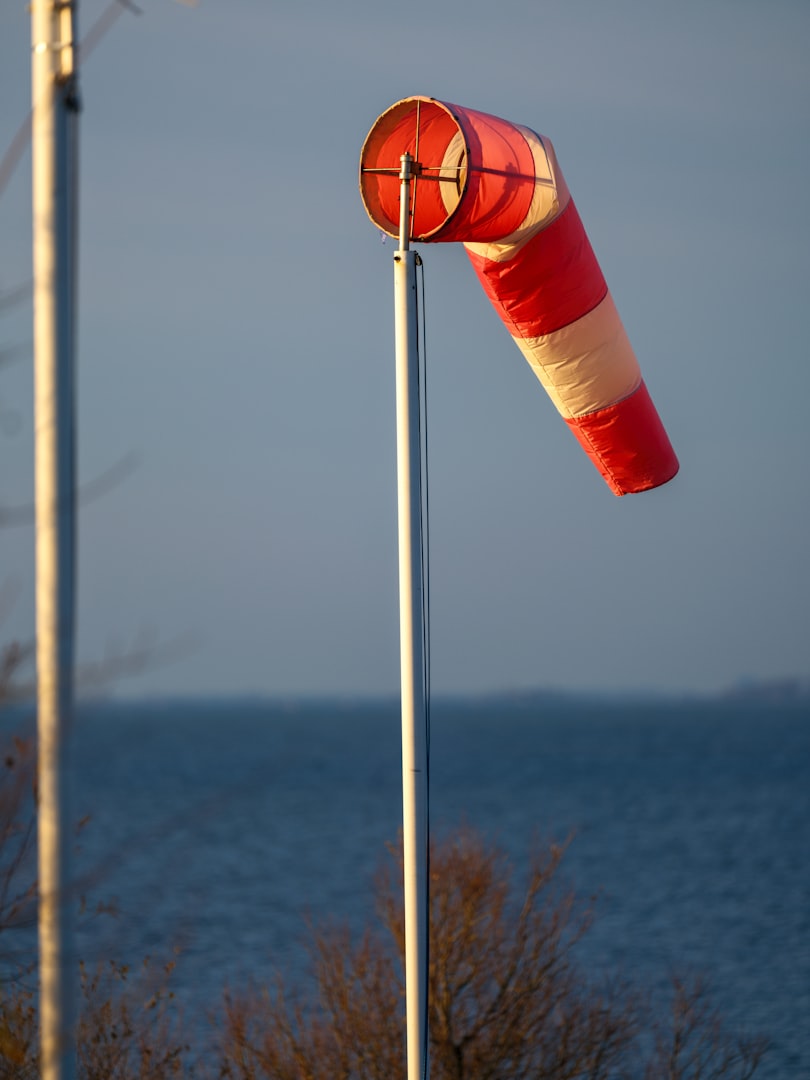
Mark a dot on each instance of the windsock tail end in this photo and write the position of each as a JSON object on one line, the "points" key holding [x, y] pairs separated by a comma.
{"points": [[628, 444]]}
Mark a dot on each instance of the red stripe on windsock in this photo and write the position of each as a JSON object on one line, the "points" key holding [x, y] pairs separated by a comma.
{"points": [[628, 444], [549, 282]]}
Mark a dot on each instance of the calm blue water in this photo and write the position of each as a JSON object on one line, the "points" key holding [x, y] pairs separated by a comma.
{"points": [[218, 826]]}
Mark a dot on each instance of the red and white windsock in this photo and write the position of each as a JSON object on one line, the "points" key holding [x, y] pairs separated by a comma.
{"points": [[497, 188]]}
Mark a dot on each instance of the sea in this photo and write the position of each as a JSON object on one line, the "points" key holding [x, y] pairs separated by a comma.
{"points": [[217, 831]]}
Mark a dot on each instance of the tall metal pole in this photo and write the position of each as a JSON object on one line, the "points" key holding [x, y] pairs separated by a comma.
{"points": [[412, 659], [54, 94]]}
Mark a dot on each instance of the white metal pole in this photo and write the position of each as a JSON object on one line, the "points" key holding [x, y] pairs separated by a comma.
{"points": [[412, 660], [54, 103]]}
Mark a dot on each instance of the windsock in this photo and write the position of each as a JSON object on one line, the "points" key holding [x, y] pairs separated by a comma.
{"points": [[496, 187]]}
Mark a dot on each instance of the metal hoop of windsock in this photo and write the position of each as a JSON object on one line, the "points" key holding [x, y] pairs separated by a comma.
{"points": [[497, 188]]}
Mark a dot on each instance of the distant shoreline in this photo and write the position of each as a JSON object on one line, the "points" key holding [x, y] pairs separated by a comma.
{"points": [[788, 691]]}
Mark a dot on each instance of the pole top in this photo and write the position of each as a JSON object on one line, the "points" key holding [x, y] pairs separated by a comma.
{"points": [[407, 172]]}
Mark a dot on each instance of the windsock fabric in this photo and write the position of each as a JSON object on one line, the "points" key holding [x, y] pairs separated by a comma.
{"points": [[497, 188]]}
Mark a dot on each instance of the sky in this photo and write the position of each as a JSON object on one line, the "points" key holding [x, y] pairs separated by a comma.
{"points": [[236, 364]]}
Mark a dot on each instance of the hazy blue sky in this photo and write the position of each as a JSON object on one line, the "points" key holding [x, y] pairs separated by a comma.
{"points": [[236, 335]]}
